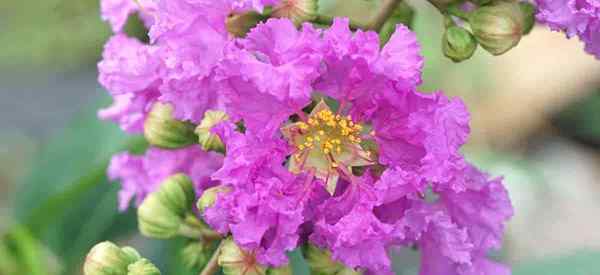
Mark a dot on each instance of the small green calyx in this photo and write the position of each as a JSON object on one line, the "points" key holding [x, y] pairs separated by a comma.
{"points": [[196, 254], [498, 27], [321, 263], [208, 140], [239, 25], [298, 11], [106, 258], [235, 260], [163, 212], [210, 195], [162, 130], [458, 44]]}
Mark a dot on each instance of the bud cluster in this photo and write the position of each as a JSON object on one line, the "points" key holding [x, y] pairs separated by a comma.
{"points": [[496, 25], [106, 258]]}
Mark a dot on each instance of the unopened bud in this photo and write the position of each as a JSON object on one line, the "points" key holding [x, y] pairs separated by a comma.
{"points": [[143, 267], [458, 44], [209, 196], [321, 263], [163, 212], [196, 254], [208, 140], [284, 270], [498, 27], [235, 260], [239, 24], [298, 11], [106, 258], [162, 130], [528, 11]]}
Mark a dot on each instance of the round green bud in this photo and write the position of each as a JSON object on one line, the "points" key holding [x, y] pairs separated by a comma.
{"points": [[458, 44], [528, 11], [299, 11], [197, 254], [498, 27], [235, 260], [321, 263], [208, 140], [240, 24], [210, 195], [106, 258], [163, 212], [142, 267], [162, 130]]}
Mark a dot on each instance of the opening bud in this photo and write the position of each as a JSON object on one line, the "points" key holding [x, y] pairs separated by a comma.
{"points": [[498, 27], [321, 263], [298, 11], [235, 260], [458, 44], [239, 24], [162, 214], [208, 140], [143, 267], [162, 130], [209, 196], [106, 258], [528, 11]]}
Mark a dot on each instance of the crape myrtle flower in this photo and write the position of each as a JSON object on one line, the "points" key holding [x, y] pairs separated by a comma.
{"points": [[186, 43], [141, 175], [341, 150], [575, 18]]}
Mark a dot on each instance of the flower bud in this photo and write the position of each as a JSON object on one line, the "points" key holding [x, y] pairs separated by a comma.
{"points": [[239, 24], [162, 130], [321, 263], [209, 196], [498, 27], [106, 258], [298, 11], [284, 270], [208, 140], [458, 44], [162, 213], [236, 261], [143, 267], [528, 11], [196, 254]]}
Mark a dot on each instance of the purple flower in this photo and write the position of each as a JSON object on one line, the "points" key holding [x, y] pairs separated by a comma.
{"points": [[576, 18], [354, 177], [141, 175]]}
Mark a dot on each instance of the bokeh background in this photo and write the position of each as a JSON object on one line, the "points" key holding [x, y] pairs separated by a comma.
{"points": [[535, 120]]}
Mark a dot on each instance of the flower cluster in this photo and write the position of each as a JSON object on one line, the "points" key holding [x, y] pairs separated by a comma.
{"points": [[576, 18], [327, 139]]}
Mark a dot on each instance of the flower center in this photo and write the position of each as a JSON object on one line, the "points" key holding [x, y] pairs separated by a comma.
{"points": [[326, 144], [327, 133]]}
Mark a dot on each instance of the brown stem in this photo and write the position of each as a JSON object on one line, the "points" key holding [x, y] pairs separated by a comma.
{"points": [[328, 20], [213, 264], [386, 9]]}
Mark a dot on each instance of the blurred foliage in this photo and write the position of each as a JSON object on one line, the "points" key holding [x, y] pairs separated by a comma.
{"points": [[580, 120], [57, 34]]}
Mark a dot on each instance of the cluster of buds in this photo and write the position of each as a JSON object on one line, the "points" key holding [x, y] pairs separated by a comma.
{"points": [[106, 258], [496, 25]]}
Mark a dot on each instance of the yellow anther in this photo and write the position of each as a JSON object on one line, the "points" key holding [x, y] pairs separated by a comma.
{"points": [[334, 165], [309, 139], [301, 147], [326, 151], [317, 138], [321, 132]]}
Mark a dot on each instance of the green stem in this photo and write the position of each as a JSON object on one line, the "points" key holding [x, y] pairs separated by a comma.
{"points": [[213, 264], [385, 11], [193, 228]]}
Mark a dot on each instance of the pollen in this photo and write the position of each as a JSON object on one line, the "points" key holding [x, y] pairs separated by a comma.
{"points": [[327, 132]]}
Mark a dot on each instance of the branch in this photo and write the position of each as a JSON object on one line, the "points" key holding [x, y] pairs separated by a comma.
{"points": [[213, 264], [386, 9]]}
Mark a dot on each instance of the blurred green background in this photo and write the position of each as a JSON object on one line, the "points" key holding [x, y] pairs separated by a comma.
{"points": [[535, 120]]}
